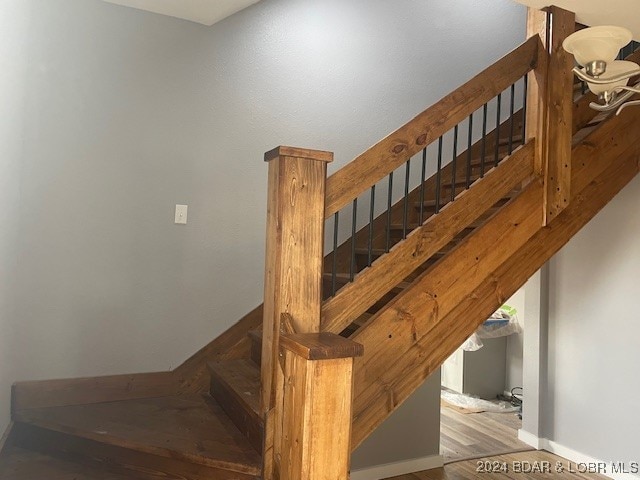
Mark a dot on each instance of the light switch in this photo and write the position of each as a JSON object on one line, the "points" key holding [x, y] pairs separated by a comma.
{"points": [[181, 214]]}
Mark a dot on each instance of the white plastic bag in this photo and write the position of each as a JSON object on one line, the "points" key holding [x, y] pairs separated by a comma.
{"points": [[501, 323]]}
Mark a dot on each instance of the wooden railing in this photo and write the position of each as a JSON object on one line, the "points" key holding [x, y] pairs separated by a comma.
{"points": [[301, 198]]}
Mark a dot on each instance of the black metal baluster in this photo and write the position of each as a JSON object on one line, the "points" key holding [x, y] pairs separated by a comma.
{"points": [[525, 92], [453, 163], [512, 104], [370, 244], [354, 218], [422, 184], [439, 175], [497, 152], [484, 139], [406, 198], [334, 267], [469, 145], [389, 200]]}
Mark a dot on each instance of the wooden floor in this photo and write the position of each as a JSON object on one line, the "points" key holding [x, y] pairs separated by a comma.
{"points": [[464, 436], [188, 427], [508, 466], [18, 464]]}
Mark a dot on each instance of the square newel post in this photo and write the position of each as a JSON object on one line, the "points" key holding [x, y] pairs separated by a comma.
{"points": [[294, 256], [314, 407]]}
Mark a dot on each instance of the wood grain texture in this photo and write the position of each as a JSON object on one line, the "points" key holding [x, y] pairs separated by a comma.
{"points": [[403, 259], [235, 385], [559, 115], [316, 418], [321, 346], [294, 254], [391, 152], [538, 25], [187, 428], [474, 307], [19, 464]]}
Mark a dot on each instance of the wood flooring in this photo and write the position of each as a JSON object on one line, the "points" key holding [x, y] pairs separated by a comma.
{"points": [[512, 466], [464, 436]]}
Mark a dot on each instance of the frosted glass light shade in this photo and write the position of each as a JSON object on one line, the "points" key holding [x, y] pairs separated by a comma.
{"points": [[597, 43], [614, 68]]}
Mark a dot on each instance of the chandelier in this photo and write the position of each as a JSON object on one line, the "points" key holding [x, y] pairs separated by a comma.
{"points": [[595, 50]]}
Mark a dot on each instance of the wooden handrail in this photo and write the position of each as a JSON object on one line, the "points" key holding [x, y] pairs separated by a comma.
{"points": [[388, 154], [389, 270]]}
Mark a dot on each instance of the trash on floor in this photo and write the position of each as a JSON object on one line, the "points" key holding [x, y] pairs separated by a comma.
{"points": [[469, 404]]}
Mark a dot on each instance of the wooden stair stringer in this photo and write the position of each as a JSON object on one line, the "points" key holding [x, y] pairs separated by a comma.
{"points": [[617, 164]]}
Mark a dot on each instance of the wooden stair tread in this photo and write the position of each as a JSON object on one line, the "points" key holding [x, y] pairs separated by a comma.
{"points": [[190, 427], [244, 376], [19, 464], [235, 384]]}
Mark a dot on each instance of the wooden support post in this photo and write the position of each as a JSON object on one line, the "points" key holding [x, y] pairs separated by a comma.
{"points": [[294, 256], [559, 115], [536, 121], [313, 415]]}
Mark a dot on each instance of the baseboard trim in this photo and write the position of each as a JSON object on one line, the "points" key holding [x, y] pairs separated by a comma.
{"points": [[572, 455], [398, 468], [530, 439]]}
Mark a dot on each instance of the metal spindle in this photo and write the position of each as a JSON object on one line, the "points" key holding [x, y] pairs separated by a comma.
{"points": [[469, 145], [422, 183], [406, 198], [497, 152], [334, 267], [484, 139], [525, 92], [439, 175], [389, 200], [370, 243], [354, 218], [453, 163], [512, 104]]}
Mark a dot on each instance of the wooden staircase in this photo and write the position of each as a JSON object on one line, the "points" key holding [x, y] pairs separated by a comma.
{"points": [[371, 319]]}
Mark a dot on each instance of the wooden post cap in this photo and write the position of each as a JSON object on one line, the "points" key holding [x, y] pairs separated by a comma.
{"points": [[283, 151], [321, 346]]}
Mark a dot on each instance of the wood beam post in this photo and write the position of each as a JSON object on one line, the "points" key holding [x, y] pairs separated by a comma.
{"points": [[536, 114], [559, 115], [314, 407], [293, 261]]}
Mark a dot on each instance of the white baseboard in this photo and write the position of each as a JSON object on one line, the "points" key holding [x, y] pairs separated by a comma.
{"points": [[398, 468], [530, 439], [572, 455]]}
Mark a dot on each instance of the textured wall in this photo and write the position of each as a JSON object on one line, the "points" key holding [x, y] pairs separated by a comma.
{"points": [[117, 115], [590, 405]]}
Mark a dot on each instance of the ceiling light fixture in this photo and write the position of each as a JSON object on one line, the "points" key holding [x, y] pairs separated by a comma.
{"points": [[595, 50]]}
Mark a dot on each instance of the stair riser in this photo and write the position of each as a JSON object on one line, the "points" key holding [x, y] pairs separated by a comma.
{"points": [[239, 413], [135, 464]]}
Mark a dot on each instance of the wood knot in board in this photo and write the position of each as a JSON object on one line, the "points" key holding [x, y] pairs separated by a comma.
{"points": [[399, 148], [422, 139]]}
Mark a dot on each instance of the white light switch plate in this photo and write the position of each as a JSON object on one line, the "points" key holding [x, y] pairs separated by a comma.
{"points": [[181, 214]]}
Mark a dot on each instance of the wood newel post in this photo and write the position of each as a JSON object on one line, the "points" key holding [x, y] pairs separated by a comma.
{"points": [[314, 412], [294, 256], [550, 105], [560, 115]]}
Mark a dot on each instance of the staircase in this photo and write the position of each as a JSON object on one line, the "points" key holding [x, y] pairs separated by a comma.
{"points": [[374, 277]]}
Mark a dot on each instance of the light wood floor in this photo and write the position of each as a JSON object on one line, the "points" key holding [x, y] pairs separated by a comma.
{"points": [[508, 464], [465, 436]]}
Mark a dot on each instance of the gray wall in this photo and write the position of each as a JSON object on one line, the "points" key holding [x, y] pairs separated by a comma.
{"points": [[591, 403], [112, 116]]}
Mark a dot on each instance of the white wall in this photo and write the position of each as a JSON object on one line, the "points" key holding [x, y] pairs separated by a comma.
{"points": [[515, 343], [112, 116], [591, 406]]}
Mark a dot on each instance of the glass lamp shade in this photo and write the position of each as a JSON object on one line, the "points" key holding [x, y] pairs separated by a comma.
{"points": [[614, 68], [597, 43]]}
